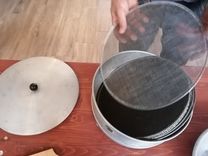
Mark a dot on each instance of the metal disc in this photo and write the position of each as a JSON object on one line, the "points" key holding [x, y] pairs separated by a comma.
{"points": [[200, 147], [174, 36], [36, 95]]}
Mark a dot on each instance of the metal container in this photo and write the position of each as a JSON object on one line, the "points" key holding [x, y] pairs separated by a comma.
{"points": [[142, 95], [121, 136]]}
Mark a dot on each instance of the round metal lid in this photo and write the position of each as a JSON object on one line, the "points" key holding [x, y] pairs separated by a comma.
{"points": [[200, 147], [36, 95], [158, 60]]}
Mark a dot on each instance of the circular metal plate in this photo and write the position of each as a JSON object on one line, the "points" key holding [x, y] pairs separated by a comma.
{"points": [[201, 148], [36, 95]]}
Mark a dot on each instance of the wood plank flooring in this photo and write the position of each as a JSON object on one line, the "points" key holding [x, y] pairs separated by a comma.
{"points": [[71, 30]]}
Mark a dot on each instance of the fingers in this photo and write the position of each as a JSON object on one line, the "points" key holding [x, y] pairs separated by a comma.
{"points": [[129, 35], [122, 22], [136, 24], [119, 10], [122, 38], [127, 28], [119, 20], [130, 30]]}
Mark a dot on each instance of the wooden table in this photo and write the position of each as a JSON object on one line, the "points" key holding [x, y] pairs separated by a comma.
{"points": [[79, 135]]}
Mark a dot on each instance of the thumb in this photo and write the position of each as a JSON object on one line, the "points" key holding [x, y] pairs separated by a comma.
{"points": [[122, 22]]}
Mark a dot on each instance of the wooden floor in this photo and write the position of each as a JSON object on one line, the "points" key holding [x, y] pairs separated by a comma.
{"points": [[71, 30]]}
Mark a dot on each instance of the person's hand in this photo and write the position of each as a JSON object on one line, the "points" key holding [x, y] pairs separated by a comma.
{"points": [[119, 10], [127, 24]]}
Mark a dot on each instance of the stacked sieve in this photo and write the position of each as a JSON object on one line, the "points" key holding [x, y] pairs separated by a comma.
{"points": [[143, 91]]}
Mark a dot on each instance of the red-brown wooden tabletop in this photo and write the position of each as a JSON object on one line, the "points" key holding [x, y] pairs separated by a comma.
{"points": [[79, 135]]}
